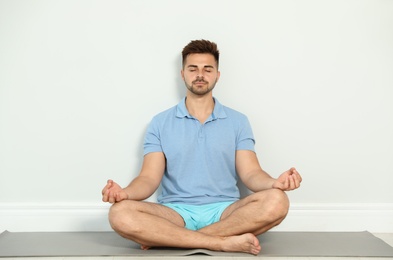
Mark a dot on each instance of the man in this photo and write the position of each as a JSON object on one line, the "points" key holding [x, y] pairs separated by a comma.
{"points": [[197, 150]]}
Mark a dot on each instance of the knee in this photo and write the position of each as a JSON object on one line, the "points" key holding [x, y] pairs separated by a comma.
{"points": [[276, 204], [279, 202], [116, 215], [119, 215]]}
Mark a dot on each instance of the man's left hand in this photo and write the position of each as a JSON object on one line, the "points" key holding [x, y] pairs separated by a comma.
{"points": [[289, 180]]}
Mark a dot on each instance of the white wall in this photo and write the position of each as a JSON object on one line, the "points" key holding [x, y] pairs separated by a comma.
{"points": [[80, 81]]}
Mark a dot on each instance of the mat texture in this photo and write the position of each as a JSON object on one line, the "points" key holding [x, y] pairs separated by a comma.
{"points": [[32, 244]]}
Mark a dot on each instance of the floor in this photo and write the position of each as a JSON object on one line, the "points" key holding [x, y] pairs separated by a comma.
{"points": [[387, 237]]}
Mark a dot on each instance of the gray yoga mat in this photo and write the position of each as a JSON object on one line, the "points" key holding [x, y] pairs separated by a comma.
{"points": [[324, 244]]}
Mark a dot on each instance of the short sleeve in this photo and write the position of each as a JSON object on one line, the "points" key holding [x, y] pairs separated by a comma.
{"points": [[245, 137], [152, 141]]}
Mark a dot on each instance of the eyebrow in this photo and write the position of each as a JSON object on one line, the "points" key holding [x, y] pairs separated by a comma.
{"points": [[195, 66]]}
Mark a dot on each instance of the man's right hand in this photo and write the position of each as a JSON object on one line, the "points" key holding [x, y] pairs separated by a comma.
{"points": [[112, 192]]}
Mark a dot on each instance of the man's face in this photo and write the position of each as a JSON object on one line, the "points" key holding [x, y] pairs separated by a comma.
{"points": [[200, 73]]}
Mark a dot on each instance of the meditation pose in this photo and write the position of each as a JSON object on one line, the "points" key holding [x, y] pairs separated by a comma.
{"points": [[197, 151]]}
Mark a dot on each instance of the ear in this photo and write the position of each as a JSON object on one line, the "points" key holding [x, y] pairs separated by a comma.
{"points": [[218, 75], [182, 74]]}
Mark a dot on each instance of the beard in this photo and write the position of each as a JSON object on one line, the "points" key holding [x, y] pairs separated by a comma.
{"points": [[200, 90]]}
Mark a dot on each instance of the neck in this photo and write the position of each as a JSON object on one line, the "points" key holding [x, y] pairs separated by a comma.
{"points": [[200, 107]]}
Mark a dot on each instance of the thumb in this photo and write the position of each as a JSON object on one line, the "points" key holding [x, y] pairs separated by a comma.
{"points": [[109, 183]]}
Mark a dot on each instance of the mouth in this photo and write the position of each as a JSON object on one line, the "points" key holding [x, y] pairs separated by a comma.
{"points": [[200, 82]]}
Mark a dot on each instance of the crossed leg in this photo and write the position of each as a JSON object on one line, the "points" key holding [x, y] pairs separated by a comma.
{"points": [[153, 225], [256, 214]]}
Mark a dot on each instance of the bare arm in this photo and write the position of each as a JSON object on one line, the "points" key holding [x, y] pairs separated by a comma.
{"points": [[256, 179], [149, 178], [143, 186], [251, 173]]}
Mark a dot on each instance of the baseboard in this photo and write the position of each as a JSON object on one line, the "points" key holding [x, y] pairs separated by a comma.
{"points": [[47, 217], [373, 217], [18, 217]]}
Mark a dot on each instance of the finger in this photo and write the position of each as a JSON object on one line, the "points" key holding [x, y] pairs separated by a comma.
{"points": [[116, 197], [111, 198], [286, 183], [104, 189], [288, 172], [298, 177], [105, 196], [109, 184], [298, 180], [296, 174], [291, 183]]}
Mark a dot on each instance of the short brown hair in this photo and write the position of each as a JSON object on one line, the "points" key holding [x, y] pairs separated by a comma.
{"points": [[201, 46]]}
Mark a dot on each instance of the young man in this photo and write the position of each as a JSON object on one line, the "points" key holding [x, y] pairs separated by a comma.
{"points": [[197, 150]]}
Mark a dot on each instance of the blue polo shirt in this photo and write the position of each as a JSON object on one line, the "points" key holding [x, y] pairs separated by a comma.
{"points": [[200, 158]]}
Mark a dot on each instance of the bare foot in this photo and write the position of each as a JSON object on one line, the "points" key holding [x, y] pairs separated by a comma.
{"points": [[247, 243]]}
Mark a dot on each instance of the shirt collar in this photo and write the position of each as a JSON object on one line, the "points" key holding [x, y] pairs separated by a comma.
{"points": [[218, 111]]}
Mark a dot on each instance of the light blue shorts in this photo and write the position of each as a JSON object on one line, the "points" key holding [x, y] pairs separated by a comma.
{"points": [[198, 216]]}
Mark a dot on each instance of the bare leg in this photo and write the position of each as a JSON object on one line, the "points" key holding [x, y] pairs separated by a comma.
{"points": [[256, 213], [155, 225]]}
